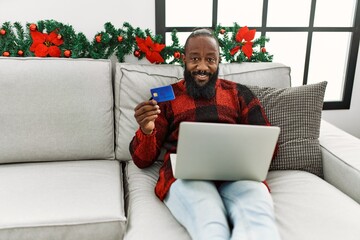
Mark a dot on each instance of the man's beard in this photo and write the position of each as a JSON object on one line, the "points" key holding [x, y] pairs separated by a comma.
{"points": [[194, 90]]}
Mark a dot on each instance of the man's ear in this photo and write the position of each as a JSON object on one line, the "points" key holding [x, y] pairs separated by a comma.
{"points": [[184, 58]]}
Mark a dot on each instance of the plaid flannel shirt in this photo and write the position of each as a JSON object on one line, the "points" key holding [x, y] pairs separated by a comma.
{"points": [[233, 103]]}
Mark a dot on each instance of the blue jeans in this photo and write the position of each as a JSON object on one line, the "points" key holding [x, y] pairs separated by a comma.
{"points": [[235, 210]]}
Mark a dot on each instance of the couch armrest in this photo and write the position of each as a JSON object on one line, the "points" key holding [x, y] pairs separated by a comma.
{"points": [[341, 159]]}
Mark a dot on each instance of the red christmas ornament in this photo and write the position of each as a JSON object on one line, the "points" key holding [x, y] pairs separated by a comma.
{"points": [[6, 54], [263, 50], [33, 27], [67, 53], [222, 31], [20, 52], [120, 38], [177, 55], [2, 31], [137, 53], [59, 36], [98, 38]]}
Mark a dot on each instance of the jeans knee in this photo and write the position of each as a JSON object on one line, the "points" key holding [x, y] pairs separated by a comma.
{"points": [[250, 190]]}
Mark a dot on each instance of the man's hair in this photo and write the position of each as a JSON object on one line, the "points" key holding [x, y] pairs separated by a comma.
{"points": [[201, 32]]}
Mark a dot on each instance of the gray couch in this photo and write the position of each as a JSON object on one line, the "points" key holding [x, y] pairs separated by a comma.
{"points": [[66, 171]]}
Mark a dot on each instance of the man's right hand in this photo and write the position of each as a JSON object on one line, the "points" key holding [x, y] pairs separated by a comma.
{"points": [[145, 115]]}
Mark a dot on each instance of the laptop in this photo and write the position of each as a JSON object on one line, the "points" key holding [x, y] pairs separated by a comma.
{"points": [[219, 151]]}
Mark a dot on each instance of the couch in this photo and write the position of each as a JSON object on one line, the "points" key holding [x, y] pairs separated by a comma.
{"points": [[66, 171]]}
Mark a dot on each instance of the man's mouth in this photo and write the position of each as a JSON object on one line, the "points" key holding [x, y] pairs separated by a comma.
{"points": [[201, 73]]}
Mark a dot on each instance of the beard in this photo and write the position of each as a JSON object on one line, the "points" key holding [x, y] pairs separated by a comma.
{"points": [[197, 92]]}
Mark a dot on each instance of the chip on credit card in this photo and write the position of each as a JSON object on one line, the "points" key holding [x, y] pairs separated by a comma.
{"points": [[162, 94]]}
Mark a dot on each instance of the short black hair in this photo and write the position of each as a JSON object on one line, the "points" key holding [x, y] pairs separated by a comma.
{"points": [[201, 32]]}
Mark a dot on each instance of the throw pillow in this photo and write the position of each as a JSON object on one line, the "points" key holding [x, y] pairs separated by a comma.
{"points": [[297, 111]]}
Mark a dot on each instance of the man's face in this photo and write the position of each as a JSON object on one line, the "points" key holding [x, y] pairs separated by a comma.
{"points": [[201, 66]]}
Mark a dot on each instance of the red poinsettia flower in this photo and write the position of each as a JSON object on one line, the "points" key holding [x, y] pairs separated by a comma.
{"points": [[151, 49], [244, 37], [45, 44]]}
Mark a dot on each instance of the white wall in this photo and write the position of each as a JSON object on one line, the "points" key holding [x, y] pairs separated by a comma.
{"points": [[89, 17]]}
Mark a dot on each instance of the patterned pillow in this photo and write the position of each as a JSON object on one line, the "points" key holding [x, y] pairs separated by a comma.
{"points": [[297, 111]]}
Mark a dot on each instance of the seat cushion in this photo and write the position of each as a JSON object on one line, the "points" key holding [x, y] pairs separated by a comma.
{"points": [[148, 217], [62, 200], [306, 207]]}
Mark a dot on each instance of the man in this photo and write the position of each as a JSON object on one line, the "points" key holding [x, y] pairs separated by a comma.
{"points": [[207, 209]]}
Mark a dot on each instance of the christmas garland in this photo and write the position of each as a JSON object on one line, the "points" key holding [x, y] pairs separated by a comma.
{"points": [[49, 38]]}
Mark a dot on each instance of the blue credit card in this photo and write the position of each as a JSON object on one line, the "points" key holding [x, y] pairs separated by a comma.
{"points": [[162, 94]]}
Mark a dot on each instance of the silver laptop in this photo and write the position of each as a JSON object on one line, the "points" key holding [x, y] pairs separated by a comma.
{"points": [[218, 151]]}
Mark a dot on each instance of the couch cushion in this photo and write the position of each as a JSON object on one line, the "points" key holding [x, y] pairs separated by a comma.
{"points": [[62, 200], [297, 111], [132, 86], [306, 207], [261, 74], [148, 217], [55, 109], [133, 83]]}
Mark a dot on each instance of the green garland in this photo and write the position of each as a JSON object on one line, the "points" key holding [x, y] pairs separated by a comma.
{"points": [[15, 41], [226, 37]]}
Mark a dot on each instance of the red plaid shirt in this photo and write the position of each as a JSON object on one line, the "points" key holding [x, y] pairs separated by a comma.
{"points": [[233, 103]]}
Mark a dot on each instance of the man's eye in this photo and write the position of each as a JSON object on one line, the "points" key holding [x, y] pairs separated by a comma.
{"points": [[211, 60], [195, 59]]}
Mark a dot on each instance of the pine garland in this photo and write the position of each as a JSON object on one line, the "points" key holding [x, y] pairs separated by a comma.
{"points": [[227, 40], [61, 40]]}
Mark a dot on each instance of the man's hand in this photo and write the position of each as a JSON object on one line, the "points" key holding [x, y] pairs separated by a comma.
{"points": [[145, 115]]}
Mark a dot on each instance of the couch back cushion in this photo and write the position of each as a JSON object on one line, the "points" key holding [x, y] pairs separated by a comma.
{"points": [[55, 109], [133, 83]]}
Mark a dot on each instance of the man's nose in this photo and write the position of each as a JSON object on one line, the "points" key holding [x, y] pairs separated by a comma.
{"points": [[202, 65]]}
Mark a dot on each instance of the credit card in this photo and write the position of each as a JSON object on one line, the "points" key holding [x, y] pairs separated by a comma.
{"points": [[162, 94]]}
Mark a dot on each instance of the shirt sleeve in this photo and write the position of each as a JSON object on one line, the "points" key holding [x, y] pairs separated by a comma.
{"points": [[145, 149], [252, 112]]}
